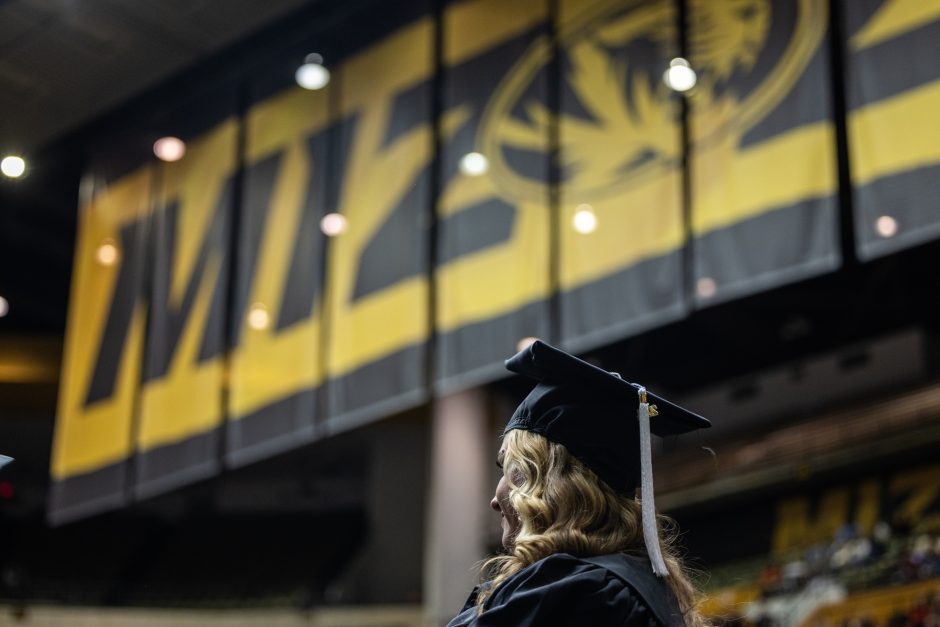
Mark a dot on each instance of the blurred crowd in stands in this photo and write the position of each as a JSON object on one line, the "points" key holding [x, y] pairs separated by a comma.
{"points": [[859, 561], [789, 592]]}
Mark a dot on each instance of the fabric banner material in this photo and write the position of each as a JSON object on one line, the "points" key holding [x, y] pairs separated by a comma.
{"points": [[276, 365], [275, 286], [99, 392], [893, 94], [377, 270], [763, 160], [492, 275], [621, 223], [181, 408]]}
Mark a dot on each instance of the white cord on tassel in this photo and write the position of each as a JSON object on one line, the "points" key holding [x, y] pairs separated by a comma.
{"points": [[648, 506]]}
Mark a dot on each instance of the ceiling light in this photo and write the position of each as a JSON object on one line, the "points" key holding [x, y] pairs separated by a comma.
{"points": [[107, 254], [474, 164], [680, 76], [886, 226], [13, 166], [312, 74], [258, 317], [584, 220], [169, 148], [706, 287], [4, 306], [333, 224]]}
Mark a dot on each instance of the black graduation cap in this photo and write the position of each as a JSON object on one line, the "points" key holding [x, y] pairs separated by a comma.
{"points": [[599, 417]]}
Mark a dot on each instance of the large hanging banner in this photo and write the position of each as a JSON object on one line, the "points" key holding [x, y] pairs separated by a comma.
{"points": [[98, 397], [893, 85], [763, 162], [492, 275], [275, 368], [206, 297], [377, 269], [621, 222]]}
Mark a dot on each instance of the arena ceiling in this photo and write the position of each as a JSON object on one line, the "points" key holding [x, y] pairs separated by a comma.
{"points": [[66, 65], [66, 62]]}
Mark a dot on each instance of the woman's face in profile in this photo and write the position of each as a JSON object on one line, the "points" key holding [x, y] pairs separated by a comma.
{"points": [[509, 520]]}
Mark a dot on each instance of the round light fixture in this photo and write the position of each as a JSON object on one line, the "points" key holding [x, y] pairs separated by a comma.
{"points": [[474, 164], [169, 149], [584, 220], [886, 226], [333, 224], [706, 287], [258, 317], [680, 76], [4, 306], [13, 166], [107, 253], [312, 75]]}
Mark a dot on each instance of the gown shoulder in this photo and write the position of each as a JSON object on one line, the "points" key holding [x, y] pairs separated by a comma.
{"points": [[561, 590]]}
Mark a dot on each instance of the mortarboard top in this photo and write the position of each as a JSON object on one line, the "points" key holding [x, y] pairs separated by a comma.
{"points": [[592, 412]]}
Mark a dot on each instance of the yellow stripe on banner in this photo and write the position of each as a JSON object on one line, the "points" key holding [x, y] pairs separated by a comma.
{"points": [[283, 120], [642, 222], [731, 186], [500, 278], [895, 134], [894, 18], [470, 28]]}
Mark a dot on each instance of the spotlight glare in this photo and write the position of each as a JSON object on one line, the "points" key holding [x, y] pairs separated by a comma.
{"points": [[680, 76], [706, 287], [584, 220], [333, 224], [886, 226], [169, 149], [474, 164], [108, 253], [258, 317], [525, 343], [312, 75], [13, 166], [4, 307]]}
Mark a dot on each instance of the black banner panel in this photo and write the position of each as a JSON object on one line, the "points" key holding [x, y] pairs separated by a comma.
{"points": [[763, 161], [94, 435], [378, 301], [893, 93], [275, 370], [621, 221], [181, 408], [492, 275]]}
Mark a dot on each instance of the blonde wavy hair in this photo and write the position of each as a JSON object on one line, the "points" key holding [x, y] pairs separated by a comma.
{"points": [[563, 507]]}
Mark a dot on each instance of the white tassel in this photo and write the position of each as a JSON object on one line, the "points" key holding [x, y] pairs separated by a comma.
{"points": [[648, 506]]}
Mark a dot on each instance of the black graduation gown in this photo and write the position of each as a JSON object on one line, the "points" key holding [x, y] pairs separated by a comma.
{"points": [[566, 590]]}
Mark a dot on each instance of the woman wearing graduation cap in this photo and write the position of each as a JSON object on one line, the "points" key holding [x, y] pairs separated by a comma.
{"points": [[579, 548]]}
